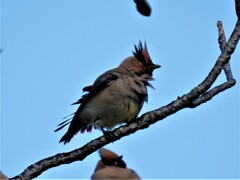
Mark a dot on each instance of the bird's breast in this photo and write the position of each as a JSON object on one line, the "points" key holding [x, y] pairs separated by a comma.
{"points": [[115, 104]]}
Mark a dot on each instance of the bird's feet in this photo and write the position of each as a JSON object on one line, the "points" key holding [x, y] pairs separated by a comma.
{"points": [[107, 134]]}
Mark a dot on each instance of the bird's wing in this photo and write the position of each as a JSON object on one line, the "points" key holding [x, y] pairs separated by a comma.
{"points": [[85, 89], [100, 83]]}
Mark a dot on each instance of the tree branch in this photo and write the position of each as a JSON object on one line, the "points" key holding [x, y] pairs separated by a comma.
{"points": [[222, 44], [195, 97], [227, 70], [237, 5]]}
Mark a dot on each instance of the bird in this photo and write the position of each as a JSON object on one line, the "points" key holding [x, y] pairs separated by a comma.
{"points": [[115, 97], [111, 166]]}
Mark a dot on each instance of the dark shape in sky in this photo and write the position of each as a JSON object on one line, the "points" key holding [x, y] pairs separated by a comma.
{"points": [[143, 7]]}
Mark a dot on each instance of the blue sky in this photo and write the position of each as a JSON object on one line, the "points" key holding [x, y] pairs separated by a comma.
{"points": [[52, 49]]}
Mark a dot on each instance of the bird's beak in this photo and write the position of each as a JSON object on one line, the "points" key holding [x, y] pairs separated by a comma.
{"points": [[155, 66]]}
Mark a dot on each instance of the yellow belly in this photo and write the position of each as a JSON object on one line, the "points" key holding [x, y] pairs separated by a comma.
{"points": [[108, 115], [120, 113]]}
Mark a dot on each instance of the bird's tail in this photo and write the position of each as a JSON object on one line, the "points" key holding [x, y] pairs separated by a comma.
{"points": [[67, 137], [75, 126], [73, 130]]}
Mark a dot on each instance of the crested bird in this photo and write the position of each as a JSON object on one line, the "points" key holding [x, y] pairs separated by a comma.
{"points": [[111, 166], [115, 97]]}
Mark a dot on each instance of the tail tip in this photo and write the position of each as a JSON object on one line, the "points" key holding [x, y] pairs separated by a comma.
{"points": [[63, 141], [66, 138]]}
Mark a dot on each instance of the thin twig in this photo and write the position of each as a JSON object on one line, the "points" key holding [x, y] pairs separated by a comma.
{"points": [[222, 43], [213, 92]]}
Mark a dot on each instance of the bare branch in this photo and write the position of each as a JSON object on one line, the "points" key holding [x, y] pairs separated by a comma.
{"points": [[221, 37], [227, 70], [222, 44]]}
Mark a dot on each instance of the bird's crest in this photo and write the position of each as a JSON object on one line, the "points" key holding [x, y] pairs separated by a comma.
{"points": [[110, 158], [141, 53]]}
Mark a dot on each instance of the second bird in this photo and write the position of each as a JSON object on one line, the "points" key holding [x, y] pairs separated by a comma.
{"points": [[115, 97]]}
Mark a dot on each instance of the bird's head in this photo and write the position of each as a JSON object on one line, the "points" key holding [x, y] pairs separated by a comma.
{"points": [[140, 63], [109, 158]]}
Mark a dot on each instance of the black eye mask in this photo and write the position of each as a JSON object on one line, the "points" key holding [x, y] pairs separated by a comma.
{"points": [[115, 162]]}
